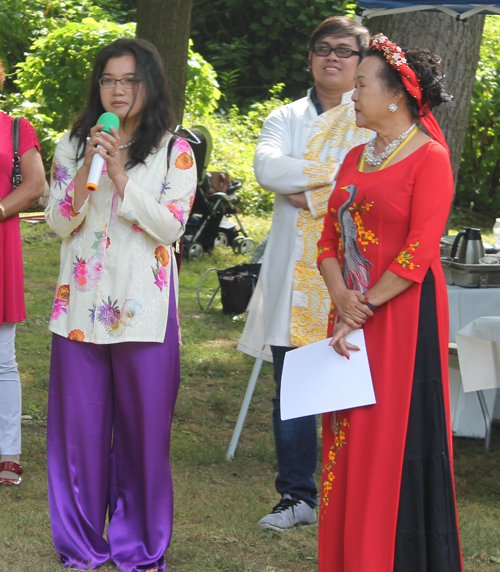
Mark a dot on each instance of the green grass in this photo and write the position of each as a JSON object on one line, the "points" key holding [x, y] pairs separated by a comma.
{"points": [[217, 502]]}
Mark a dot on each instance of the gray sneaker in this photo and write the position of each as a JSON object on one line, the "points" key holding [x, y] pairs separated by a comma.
{"points": [[287, 514]]}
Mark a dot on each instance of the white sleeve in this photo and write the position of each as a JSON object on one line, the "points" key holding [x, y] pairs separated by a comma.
{"points": [[60, 214], [164, 219], [275, 169]]}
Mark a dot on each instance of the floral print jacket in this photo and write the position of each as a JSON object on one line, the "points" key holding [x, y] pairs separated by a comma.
{"points": [[117, 255]]}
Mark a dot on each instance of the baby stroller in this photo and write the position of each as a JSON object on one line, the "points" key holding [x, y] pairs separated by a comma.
{"points": [[209, 224]]}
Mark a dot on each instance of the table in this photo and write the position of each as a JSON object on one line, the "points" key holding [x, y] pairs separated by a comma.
{"points": [[465, 305], [478, 347]]}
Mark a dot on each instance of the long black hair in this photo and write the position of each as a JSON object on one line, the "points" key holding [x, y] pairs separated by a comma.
{"points": [[157, 114]]}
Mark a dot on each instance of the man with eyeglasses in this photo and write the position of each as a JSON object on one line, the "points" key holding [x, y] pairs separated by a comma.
{"points": [[299, 152]]}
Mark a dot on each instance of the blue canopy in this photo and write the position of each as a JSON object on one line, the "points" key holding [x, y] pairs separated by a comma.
{"points": [[460, 9]]}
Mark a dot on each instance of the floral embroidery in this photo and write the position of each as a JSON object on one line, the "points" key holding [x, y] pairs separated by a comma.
{"points": [[182, 145], [66, 205], [131, 313], [164, 187], [131, 217], [176, 209], [116, 319], [109, 315], [341, 425], [59, 174], [322, 249], [160, 272], [404, 257], [76, 335], [87, 273], [61, 302], [365, 237], [184, 161], [161, 254], [76, 229]]}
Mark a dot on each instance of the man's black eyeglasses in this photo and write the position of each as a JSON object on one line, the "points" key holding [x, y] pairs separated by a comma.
{"points": [[324, 50]]}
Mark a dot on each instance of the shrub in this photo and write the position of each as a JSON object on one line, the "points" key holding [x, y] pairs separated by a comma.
{"points": [[479, 176], [54, 78], [255, 45], [235, 137], [23, 22], [56, 73]]}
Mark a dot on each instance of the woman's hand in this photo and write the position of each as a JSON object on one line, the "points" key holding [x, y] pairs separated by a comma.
{"points": [[113, 157], [350, 304], [352, 308], [91, 149], [339, 343], [114, 163]]}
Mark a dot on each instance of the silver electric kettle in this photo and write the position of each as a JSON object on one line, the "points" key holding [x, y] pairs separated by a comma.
{"points": [[471, 246]]}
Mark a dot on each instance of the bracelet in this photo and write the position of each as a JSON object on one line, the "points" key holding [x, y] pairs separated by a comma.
{"points": [[371, 306], [3, 214]]}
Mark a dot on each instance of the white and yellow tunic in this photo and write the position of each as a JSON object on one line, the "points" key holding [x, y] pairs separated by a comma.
{"points": [[298, 150]]}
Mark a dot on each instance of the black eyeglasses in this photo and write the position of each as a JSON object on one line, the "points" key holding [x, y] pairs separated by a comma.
{"points": [[126, 82], [324, 50]]}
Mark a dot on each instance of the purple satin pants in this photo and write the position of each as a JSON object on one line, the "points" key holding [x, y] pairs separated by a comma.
{"points": [[108, 440]]}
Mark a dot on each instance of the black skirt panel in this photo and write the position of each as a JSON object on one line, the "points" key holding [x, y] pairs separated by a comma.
{"points": [[427, 535]]}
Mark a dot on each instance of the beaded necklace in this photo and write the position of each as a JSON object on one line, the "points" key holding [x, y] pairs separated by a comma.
{"points": [[379, 159]]}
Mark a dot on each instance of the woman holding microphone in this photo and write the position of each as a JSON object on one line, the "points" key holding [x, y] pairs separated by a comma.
{"points": [[115, 350]]}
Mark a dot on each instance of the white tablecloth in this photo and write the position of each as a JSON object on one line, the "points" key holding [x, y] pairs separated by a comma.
{"points": [[478, 347], [467, 304]]}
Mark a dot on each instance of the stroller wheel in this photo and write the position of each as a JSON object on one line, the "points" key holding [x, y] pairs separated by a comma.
{"points": [[221, 239], [247, 247], [236, 244], [195, 251]]}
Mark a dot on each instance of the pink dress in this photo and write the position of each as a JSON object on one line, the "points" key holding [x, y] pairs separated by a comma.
{"points": [[11, 262]]}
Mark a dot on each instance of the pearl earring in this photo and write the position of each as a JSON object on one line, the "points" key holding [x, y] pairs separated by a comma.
{"points": [[393, 107]]}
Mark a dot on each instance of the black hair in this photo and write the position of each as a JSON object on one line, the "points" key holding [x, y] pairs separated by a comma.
{"points": [[341, 27], [429, 70], [157, 115]]}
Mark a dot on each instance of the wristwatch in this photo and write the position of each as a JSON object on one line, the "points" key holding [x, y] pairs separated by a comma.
{"points": [[2, 211]]}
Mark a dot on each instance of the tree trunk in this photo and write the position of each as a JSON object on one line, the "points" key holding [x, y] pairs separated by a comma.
{"points": [[458, 43], [167, 25]]}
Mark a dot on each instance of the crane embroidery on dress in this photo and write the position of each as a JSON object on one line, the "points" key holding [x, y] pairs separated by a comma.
{"points": [[355, 266]]}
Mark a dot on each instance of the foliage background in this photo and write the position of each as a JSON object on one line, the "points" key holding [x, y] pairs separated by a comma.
{"points": [[479, 176], [256, 45], [245, 60]]}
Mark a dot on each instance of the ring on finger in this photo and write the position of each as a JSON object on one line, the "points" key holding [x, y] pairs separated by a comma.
{"points": [[114, 153]]}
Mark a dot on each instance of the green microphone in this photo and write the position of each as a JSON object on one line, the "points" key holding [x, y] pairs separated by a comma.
{"points": [[108, 120]]}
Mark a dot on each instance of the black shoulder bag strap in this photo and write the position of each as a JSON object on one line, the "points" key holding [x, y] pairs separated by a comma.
{"points": [[17, 178]]}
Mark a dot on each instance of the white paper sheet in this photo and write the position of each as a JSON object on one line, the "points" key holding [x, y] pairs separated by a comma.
{"points": [[316, 379], [478, 345]]}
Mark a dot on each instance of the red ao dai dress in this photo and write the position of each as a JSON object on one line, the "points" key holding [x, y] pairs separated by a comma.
{"points": [[387, 499]]}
